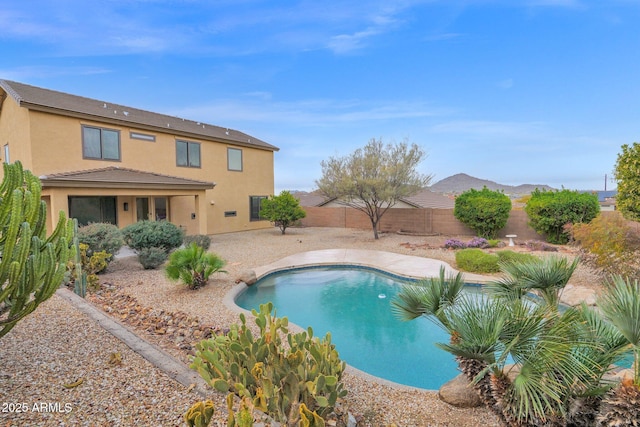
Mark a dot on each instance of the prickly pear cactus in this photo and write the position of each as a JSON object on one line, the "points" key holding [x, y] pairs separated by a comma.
{"points": [[279, 371], [32, 265], [199, 414]]}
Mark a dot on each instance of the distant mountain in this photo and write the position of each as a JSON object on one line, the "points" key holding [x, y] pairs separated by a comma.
{"points": [[461, 182]]}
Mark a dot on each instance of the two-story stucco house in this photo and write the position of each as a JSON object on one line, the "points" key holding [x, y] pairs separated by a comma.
{"points": [[102, 162]]}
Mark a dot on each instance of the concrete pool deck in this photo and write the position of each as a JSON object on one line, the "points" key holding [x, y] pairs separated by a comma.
{"points": [[402, 265]]}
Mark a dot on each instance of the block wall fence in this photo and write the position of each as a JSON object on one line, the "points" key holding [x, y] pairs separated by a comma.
{"points": [[418, 221]]}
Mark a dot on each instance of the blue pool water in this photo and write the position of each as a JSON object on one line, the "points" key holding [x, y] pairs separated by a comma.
{"points": [[354, 304]]}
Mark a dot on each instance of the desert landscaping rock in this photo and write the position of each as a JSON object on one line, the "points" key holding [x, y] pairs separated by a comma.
{"points": [[247, 277], [575, 295], [460, 393]]}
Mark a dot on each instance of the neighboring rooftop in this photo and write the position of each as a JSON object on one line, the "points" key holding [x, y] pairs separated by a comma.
{"points": [[423, 199], [39, 99]]}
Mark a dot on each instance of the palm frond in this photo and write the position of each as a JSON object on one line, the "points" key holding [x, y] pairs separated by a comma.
{"points": [[548, 276], [620, 304], [477, 322], [428, 297]]}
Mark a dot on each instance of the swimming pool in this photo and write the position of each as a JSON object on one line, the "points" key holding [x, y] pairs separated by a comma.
{"points": [[354, 304]]}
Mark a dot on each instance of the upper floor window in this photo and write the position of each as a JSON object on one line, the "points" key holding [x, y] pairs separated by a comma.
{"points": [[100, 143], [142, 136], [6, 153], [234, 159], [188, 154]]}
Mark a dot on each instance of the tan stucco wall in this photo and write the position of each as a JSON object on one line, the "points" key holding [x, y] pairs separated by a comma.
{"points": [[14, 127], [48, 143], [233, 190]]}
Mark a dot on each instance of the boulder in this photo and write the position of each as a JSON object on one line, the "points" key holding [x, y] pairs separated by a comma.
{"points": [[460, 393], [248, 277], [575, 295]]}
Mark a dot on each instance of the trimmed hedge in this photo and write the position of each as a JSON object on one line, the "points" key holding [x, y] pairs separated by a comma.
{"points": [[479, 261]]}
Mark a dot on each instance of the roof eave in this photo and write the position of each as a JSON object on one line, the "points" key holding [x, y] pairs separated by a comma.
{"points": [[141, 126], [53, 182]]}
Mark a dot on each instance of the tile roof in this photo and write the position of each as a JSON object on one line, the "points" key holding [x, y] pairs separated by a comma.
{"points": [[113, 176], [423, 199], [430, 199], [310, 199], [36, 98]]}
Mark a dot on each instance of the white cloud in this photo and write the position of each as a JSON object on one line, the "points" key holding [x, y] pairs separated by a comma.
{"points": [[27, 73], [313, 112]]}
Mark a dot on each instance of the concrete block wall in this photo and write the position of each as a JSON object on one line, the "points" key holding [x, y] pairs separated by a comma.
{"points": [[418, 221]]}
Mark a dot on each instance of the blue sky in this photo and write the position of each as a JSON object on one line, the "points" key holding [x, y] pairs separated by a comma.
{"points": [[515, 91]]}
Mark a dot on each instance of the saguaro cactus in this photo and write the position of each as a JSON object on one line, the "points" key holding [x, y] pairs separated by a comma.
{"points": [[32, 266]]}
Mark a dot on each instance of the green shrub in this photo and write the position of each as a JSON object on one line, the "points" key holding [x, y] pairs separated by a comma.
{"points": [[515, 257], [283, 210], [550, 211], [477, 261], [494, 243], [193, 265], [277, 370], [153, 234], [201, 240], [101, 236], [152, 257], [485, 211], [610, 243]]}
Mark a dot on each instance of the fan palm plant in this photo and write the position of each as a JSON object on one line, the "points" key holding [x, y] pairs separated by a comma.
{"points": [[547, 277], [193, 266], [559, 356], [620, 304]]}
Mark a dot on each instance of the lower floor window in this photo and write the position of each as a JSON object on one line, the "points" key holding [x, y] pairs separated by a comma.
{"points": [[93, 209], [255, 203]]}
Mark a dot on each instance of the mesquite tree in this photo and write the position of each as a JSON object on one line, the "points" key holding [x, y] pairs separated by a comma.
{"points": [[374, 178], [32, 265]]}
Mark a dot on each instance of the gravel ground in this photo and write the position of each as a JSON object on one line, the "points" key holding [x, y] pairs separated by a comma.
{"points": [[57, 345]]}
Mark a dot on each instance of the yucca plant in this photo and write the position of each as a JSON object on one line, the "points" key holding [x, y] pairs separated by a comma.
{"points": [[193, 266]]}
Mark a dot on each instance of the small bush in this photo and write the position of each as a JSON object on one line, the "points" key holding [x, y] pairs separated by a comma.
{"points": [[193, 265], [550, 211], [485, 211], [477, 261], [610, 243], [454, 244], [152, 258], [495, 243], [101, 236], [512, 257], [153, 234], [478, 242], [201, 240]]}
